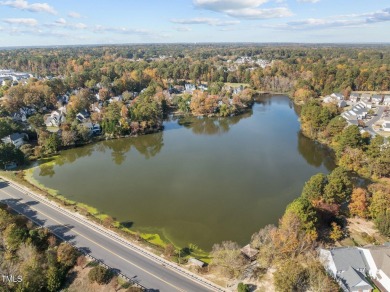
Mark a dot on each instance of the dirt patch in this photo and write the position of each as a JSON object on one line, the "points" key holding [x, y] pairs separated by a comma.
{"points": [[78, 281], [363, 232]]}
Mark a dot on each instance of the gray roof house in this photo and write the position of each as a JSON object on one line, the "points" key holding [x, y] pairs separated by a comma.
{"points": [[337, 96], [348, 266], [378, 259], [82, 116], [386, 100], [376, 99], [386, 126], [355, 280], [17, 139], [365, 97], [354, 97]]}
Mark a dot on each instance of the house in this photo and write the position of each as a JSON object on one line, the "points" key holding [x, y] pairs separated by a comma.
{"points": [[203, 87], [365, 97], [376, 99], [366, 104], [56, 118], [358, 112], [386, 126], [196, 262], [328, 99], [94, 129], [189, 88], [378, 259], [17, 139], [386, 100], [249, 252], [118, 98], [354, 97], [337, 96], [342, 103], [348, 266], [97, 107], [82, 116]]}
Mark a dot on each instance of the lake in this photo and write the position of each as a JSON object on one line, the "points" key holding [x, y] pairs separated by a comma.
{"points": [[201, 180]]}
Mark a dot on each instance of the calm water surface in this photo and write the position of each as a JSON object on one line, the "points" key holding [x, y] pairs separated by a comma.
{"points": [[200, 181]]}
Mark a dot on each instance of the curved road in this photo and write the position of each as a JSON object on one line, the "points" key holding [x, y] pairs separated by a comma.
{"points": [[141, 266]]}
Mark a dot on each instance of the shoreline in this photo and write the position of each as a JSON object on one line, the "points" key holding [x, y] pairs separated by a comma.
{"points": [[155, 241]]}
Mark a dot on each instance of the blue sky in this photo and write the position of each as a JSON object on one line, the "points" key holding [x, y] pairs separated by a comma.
{"points": [[69, 22]]}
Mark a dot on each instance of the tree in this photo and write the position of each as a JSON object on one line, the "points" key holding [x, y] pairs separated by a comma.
{"points": [[380, 203], [350, 137], [241, 287], [382, 222], [54, 278], [339, 186], [100, 275], [336, 233], [68, 137], [52, 144], [336, 126], [227, 258], [14, 236], [291, 276], [10, 154], [67, 254], [37, 123], [359, 203], [381, 164], [313, 189], [291, 238], [306, 214], [6, 127], [374, 148]]}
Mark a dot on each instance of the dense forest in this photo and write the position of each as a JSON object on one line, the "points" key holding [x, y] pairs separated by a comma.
{"points": [[319, 69]]}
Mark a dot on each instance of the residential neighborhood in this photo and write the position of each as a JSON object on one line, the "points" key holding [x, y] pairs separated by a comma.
{"points": [[369, 111], [355, 268]]}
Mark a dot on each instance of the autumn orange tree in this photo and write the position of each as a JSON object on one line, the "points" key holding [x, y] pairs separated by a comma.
{"points": [[358, 205]]}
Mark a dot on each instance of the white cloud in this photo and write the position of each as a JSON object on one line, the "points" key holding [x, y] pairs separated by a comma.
{"points": [[182, 28], [73, 14], [309, 1], [34, 7], [21, 21], [351, 20], [61, 21], [243, 9], [223, 5], [204, 20], [251, 13]]}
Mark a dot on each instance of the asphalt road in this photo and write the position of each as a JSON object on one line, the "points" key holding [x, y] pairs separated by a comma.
{"points": [[137, 264]]}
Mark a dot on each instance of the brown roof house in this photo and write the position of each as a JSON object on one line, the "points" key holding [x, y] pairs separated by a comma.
{"points": [[249, 252]]}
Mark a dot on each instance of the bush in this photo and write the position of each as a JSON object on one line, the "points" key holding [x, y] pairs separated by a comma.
{"points": [[100, 275], [242, 287]]}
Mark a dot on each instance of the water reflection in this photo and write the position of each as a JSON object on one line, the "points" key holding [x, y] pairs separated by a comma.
{"points": [[211, 126], [315, 153], [148, 145]]}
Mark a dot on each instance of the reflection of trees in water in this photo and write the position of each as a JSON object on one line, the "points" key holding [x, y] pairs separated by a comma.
{"points": [[315, 153], [46, 169], [211, 126], [148, 145]]}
